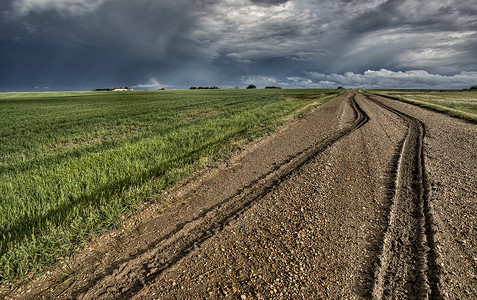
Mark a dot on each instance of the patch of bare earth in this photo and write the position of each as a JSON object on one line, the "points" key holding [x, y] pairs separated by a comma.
{"points": [[365, 197]]}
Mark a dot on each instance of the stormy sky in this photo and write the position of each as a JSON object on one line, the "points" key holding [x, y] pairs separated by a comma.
{"points": [[149, 44]]}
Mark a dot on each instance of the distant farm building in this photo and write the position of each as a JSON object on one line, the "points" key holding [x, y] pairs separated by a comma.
{"points": [[122, 90]]}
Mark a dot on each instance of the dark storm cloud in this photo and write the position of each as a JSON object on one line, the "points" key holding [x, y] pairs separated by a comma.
{"points": [[117, 42], [91, 43], [268, 2], [418, 15]]}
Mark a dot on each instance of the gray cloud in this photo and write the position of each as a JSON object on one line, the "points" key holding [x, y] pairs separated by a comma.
{"points": [[227, 42], [74, 7], [250, 33], [268, 2]]}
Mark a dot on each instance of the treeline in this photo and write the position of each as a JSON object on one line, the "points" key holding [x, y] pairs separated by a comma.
{"points": [[103, 90], [204, 88], [267, 87]]}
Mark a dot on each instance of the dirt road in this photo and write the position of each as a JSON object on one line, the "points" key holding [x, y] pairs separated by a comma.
{"points": [[365, 197]]}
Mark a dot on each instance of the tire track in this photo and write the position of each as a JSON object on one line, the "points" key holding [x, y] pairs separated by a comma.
{"points": [[129, 278], [408, 267]]}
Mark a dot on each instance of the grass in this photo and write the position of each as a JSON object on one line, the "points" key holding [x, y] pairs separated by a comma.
{"points": [[71, 164], [460, 104]]}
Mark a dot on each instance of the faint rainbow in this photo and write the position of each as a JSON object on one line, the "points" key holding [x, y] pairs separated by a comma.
{"points": [[155, 82]]}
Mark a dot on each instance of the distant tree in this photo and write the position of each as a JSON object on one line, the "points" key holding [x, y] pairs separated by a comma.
{"points": [[205, 88], [340, 88], [474, 88], [103, 90], [251, 87], [273, 87]]}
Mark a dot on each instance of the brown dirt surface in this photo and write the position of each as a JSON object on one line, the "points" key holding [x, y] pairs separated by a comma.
{"points": [[365, 197]]}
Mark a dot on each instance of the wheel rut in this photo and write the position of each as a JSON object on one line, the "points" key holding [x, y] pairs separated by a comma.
{"points": [[131, 277], [407, 263]]}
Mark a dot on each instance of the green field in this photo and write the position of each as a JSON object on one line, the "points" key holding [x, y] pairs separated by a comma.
{"points": [[73, 163], [461, 104]]}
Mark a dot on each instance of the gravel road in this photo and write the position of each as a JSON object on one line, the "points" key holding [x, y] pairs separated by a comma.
{"points": [[365, 197]]}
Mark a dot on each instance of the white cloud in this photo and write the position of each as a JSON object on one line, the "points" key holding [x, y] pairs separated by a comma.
{"points": [[260, 80], [146, 86], [303, 82], [74, 7], [383, 78]]}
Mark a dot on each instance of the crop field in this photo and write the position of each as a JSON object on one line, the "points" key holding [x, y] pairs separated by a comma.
{"points": [[462, 104], [71, 164]]}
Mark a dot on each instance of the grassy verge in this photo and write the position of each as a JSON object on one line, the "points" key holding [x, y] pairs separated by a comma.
{"points": [[71, 164], [460, 104]]}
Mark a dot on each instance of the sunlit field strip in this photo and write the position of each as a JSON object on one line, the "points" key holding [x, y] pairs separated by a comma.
{"points": [[461, 104], [71, 164]]}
